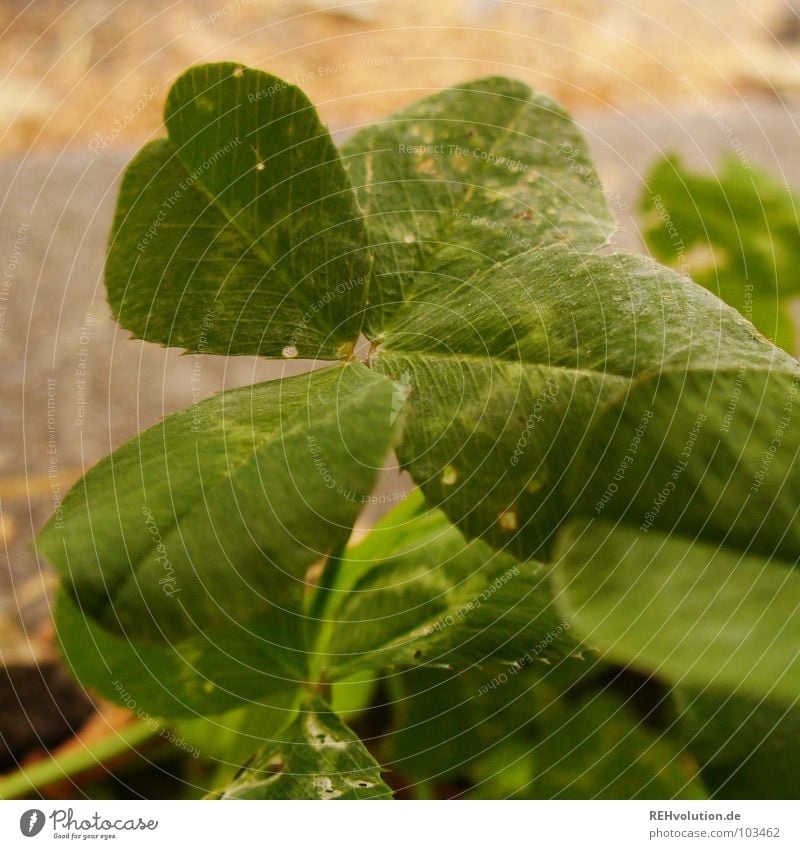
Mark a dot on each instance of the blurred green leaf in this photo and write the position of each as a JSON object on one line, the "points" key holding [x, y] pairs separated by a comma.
{"points": [[198, 677], [737, 233], [537, 734], [692, 612], [444, 601], [748, 748]]}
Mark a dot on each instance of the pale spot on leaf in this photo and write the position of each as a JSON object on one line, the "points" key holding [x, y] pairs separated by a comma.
{"points": [[508, 520]]}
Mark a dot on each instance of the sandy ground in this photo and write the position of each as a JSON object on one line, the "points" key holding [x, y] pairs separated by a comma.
{"points": [[96, 69]]}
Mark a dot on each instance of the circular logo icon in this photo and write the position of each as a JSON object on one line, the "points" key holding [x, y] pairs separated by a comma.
{"points": [[31, 822]]}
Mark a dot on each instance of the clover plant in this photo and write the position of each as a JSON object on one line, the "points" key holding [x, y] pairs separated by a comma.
{"points": [[604, 457]]}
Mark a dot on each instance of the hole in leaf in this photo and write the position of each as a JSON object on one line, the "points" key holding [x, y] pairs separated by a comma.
{"points": [[289, 352], [326, 787]]}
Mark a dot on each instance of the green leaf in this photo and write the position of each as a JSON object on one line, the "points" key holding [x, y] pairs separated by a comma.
{"points": [[593, 748], [202, 676], [444, 602], [530, 373], [211, 519], [446, 724], [736, 232], [467, 178], [692, 612], [692, 472], [710, 453], [744, 219], [747, 748], [318, 757], [240, 233], [546, 733], [506, 372], [228, 740]]}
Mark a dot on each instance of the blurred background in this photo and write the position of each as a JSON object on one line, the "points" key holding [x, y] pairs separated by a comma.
{"points": [[71, 70], [713, 82]]}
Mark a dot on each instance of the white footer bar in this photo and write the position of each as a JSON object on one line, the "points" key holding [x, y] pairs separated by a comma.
{"points": [[398, 825]]}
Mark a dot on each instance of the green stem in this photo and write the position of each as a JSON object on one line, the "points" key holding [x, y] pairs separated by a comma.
{"points": [[74, 762], [327, 582], [318, 609]]}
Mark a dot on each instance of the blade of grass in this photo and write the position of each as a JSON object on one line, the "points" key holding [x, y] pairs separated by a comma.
{"points": [[70, 764]]}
